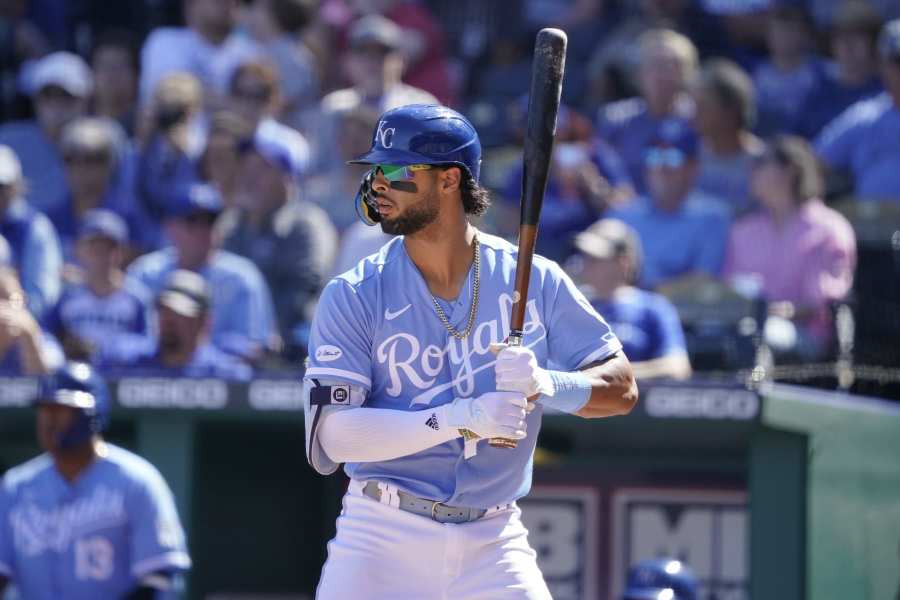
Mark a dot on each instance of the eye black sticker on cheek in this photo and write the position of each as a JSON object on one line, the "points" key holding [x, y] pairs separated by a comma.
{"points": [[405, 186]]}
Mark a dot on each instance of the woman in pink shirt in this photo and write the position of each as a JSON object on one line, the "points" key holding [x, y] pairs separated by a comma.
{"points": [[800, 253]]}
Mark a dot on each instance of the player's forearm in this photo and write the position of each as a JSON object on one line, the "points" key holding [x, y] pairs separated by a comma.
{"points": [[613, 388], [377, 434], [676, 366]]}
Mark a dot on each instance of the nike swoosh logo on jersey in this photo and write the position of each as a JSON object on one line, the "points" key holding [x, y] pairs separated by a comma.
{"points": [[390, 316]]}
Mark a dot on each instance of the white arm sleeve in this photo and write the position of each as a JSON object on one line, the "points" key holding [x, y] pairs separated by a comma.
{"points": [[339, 429], [375, 434]]}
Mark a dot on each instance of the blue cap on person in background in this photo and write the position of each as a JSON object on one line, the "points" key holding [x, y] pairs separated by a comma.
{"points": [[194, 198], [677, 133], [280, 146], [889, 40], [100, 222], [61, 69]]}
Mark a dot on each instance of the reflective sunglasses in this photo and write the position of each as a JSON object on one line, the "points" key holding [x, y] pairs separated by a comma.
{"points": [[400, 172], [665, 157]]}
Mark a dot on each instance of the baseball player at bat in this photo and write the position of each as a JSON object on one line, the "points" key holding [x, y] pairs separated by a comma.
{"points": [[404, 387]]}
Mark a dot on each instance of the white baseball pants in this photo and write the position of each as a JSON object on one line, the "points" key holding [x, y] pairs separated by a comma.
{"points": [[383, 553]]}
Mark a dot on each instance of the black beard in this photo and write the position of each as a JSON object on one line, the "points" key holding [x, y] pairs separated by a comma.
{"points": [[413, 219]]}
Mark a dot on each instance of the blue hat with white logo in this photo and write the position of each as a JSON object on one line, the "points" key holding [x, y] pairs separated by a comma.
{"points": [[677, 133], [280, 146], [661, 579], [196, 198]]}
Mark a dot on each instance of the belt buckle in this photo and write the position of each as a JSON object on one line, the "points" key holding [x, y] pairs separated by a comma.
{"points": [[434, 506]]}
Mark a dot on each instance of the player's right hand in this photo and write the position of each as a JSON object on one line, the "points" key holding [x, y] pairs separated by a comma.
{"points": [[490, 415]]}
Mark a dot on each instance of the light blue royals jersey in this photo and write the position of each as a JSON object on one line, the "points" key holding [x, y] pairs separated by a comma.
{"points": [[376, 327], [90, 539]]}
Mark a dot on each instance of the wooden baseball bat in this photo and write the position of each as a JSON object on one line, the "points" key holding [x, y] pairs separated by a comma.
{"points": [[543, 106]]}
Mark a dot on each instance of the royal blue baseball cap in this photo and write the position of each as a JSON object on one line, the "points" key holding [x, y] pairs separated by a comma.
{"points": [[280, 146], [100, 222], [196, 198], [661, 579]]}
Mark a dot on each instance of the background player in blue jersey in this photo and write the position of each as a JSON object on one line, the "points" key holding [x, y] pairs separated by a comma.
{"points": [[87, 520], [402, 363]]}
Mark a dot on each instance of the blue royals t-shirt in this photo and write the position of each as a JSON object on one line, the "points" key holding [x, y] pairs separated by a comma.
{"points": [[92, 538], [376, 327]]}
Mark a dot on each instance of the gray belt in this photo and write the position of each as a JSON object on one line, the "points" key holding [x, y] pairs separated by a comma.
{"points": [[432, 509]]}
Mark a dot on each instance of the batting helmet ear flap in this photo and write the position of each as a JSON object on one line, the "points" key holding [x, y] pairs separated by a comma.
{"points": [[367, 200]]}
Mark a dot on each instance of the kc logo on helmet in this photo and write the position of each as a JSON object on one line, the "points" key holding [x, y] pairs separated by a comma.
{"points": [[385, 135]]}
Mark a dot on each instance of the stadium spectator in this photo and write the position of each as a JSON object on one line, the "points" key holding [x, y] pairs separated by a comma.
{"points": [[726, 110], [22, 44], [332, 187], [683, 231], [101, 312], [585, 179], [115, 62], [25, 349], [786, 78], [668, 61], [219, 161], [862, 141], [243, 318], [374, 66], [290, 239], [31, 236], [646, 323], [422, 44], [60, 85], [853, 75], [173, 138], [208, 48], [94, 152], [254, 94], [801, 253], [277, 26], [184, 309]]}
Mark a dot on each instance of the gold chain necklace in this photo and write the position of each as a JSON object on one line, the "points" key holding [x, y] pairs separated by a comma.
{"points": [[460, 335]]}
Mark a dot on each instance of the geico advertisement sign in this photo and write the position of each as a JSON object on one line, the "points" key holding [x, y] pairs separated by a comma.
{"points": [[153, 392], [702, 403]]}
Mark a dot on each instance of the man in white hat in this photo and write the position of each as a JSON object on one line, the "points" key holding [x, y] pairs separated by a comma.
{"points": [[60, 85]]}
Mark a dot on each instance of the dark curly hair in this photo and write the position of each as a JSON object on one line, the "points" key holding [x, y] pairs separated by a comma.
{"points": [[475, 198]]}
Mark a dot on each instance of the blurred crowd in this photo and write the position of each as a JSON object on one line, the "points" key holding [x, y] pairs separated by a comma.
{"points": [[174, 192]]}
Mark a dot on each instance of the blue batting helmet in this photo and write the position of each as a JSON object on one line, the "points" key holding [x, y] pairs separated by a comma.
{"points": [[418, 134], [79, 386], [424, 134], [661, 579]]}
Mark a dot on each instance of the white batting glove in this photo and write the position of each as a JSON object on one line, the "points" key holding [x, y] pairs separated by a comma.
{"points": [[490, 415], [517, 370]]}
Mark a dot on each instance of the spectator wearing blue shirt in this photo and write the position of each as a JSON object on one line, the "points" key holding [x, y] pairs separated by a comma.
{"points": [[668, 60], [683, 231], [95, 155], [785, 80], [243, 317], [31, 236], [182, 349], [586, 177], [646, 323], [291, 240], [60, 85], [101, 311], [853, 75], [726, 110], [863, 140], [168, 159]]}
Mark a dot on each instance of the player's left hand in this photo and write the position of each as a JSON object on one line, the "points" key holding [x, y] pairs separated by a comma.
{"points": [[517, 370]]}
